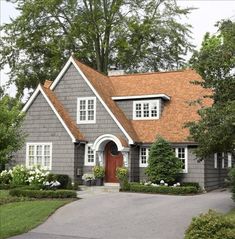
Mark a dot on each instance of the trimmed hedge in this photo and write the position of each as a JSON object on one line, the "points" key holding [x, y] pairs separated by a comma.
{"points": [[194, 184], [24, 192], [135, 187]]}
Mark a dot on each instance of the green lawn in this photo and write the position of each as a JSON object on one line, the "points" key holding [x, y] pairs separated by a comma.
{"points": [[231, 214], [20, 217]]}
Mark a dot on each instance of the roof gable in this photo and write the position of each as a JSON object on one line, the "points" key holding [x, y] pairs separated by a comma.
{"points": [[59, 111]]}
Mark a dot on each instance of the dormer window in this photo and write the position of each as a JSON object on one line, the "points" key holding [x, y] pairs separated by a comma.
{"points": [[86, 110], [146, 109]]}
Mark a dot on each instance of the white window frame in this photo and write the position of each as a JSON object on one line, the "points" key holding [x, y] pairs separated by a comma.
{"points": [[223, 161], [142, 102], [87, 163], [144, 165], [86, 121], [229, 160], [185, 170], [215, 160], [43, 156]]}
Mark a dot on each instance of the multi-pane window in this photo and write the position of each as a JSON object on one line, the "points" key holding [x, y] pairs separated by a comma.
{"points": [[146, 109], [86, 112], [144, 154], [39, 154], [181, 153], [89, 155]]}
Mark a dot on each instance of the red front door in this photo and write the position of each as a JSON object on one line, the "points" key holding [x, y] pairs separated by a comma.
{"points": [[113, 160]]}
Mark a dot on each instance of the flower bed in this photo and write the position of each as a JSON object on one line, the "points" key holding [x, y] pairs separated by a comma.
{"points": [[31, 193], [179, 190]]}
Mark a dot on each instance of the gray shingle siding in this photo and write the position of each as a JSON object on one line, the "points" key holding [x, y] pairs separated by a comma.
{"points": [[42, 125], [72, 86]]}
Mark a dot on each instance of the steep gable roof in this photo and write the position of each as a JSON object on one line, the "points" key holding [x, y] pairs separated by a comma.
{"points": [[58, 109]]}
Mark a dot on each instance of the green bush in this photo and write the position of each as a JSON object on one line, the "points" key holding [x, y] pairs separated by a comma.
{"points": [[18, 192], [162, 163], [232, 181], [211, 225], [98, 171], [64, 180], [5, 177], [122, 174], [194, 184], [136, 187], [20, 175]]}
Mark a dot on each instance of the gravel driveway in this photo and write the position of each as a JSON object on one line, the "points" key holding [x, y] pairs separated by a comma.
{"points": [[128, 215]]}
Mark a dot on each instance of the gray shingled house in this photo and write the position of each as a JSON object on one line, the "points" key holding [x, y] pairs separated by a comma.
{"points": [[84, 118]]}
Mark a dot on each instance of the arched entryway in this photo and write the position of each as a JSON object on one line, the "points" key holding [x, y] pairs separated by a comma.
{"points": [[112, 152], [113, 160]]}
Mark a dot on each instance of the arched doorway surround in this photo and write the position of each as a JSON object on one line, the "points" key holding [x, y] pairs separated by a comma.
{"points": [[102, 147]]}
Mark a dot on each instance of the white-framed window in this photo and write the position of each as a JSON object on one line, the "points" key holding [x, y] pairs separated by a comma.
{"points": [[223, 161], [144, 154], [215, 160], [182, 153], [146, 109], [229, 160], [89, 155], [39, 154], [86, 110]]}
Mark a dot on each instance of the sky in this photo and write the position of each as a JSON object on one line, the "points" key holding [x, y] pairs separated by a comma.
{"points": [[202, 20]]}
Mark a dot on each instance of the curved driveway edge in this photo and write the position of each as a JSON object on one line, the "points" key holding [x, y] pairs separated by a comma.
{"points": [[128, 215]]}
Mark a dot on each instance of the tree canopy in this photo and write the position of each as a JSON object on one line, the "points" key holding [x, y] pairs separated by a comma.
{"points": [[215, 62], [11, 134], [138, 35]]}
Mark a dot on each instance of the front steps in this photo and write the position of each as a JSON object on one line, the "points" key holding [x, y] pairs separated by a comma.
{"points": [[107, 188]]}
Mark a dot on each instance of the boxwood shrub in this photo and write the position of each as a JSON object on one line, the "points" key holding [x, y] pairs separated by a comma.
{"points": [[194, 184], [136, 187], [25, 192], [211, 225]]}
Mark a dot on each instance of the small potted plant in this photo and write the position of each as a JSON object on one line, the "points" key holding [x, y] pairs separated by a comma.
{"points": [[122, 176], [99, 173], [88, 178]]}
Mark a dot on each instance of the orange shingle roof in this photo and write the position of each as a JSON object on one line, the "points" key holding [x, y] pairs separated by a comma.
{"points": [[63, 113], [176, 113], [104, 87]]}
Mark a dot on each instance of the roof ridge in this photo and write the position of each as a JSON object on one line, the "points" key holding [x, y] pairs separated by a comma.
{"points": [[150, 73]]}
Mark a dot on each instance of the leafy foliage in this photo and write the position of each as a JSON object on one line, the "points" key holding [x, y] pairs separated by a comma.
{"points": [[215, 62], [98, 171], [135, 187], [211, 225], [11, 134], [133, 35], [162, 163]]}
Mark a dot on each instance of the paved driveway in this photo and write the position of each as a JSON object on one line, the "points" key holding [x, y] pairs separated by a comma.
{"points": [[128, 215]]}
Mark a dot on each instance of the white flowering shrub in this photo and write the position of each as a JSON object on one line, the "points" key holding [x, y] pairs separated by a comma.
{"points": [[37, 176], [88, 176], [5, 177], [19, 175]]}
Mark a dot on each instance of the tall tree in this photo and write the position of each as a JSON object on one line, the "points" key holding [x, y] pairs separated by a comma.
{"points": [[135, 35], [215, 62], [11, 134]]}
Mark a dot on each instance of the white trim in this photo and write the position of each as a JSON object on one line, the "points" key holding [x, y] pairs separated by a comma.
{"points": [[144, 165], [142, 102], [78, 110], [43, 156], [86, 163], [71, 60], [27, 105], [131, 97], [229, 160], [98, 146], [215, 160], [185, 159], [223, 161]]}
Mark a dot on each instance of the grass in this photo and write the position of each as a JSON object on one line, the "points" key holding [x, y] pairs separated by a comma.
{"points": [[19, 217], [231, 214]]}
